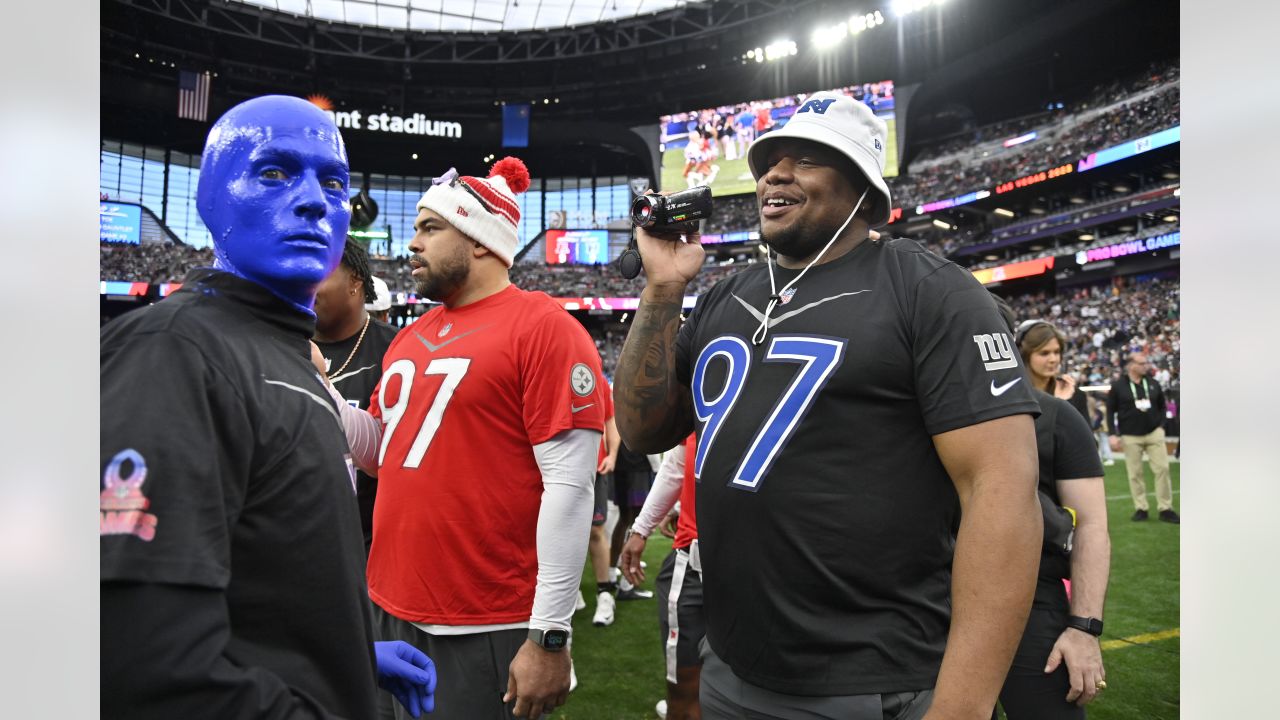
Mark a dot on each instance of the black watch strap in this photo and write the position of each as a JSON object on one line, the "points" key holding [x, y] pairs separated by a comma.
{"points": [[1093, 626]]}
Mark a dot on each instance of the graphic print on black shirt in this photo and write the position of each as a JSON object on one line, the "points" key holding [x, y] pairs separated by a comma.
{"points": [[825, 513]]}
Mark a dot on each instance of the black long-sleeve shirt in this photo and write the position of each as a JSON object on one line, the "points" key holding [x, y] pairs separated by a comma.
{"points": [[1126, 418], [232, 559]]}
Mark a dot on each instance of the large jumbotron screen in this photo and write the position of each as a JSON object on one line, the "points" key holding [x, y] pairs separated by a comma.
{"points": [[724, 133]]}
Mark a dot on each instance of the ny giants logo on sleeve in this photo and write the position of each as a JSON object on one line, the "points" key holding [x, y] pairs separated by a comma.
{"points": [[997, 351], [122, 504]]}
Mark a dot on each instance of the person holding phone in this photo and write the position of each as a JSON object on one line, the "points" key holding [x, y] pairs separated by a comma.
{"points": [[1042, 345]]}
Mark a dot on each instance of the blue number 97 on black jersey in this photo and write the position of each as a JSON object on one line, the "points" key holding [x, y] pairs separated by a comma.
{"points": [[818, 357]]}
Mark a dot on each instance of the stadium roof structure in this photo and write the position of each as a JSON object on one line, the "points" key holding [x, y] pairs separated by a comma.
{"points": [[470, 15], [599, 72]]}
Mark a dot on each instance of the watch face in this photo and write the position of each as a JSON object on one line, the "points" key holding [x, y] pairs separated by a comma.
{"points": [[555, 639]]}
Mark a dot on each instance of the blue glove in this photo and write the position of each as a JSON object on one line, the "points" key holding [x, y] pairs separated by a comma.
{"points": [[408, 674]]}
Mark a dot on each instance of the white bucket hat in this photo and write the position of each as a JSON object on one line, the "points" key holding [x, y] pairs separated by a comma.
{"points": [[844, 124]]}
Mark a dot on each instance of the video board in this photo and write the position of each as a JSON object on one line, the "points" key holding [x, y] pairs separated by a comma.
{"points": [[709, 146]]}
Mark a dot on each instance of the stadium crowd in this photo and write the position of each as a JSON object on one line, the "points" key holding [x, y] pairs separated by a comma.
{"points": [[1104, 323], [1101, 96], [733, 214], [1072, 140], [150, 263]]}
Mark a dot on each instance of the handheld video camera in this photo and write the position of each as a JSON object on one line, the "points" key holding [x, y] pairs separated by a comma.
{"points": [[665, 211]]}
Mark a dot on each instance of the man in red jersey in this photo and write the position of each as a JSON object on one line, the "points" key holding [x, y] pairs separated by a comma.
{"points": [[679, 584], [490, 414]]}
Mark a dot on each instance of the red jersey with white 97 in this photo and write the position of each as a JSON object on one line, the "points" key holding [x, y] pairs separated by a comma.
{"points": [[465, 395]]}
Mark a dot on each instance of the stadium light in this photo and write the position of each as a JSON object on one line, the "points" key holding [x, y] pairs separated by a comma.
{"points": [[778, 50], [906, 7], [860, 23], [1085, 237], [1005, 213], [942, 224], [1170, 218], [826, 37]]}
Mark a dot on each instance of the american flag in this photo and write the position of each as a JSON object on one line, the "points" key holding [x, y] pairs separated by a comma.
{"points": [[193, 95]]}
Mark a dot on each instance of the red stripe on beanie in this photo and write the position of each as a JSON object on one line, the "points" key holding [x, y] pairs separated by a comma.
{"points": [[495, 201]]}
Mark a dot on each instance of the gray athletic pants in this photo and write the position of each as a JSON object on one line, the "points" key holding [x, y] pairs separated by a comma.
{"points": [[724, 696], [471, 670]]}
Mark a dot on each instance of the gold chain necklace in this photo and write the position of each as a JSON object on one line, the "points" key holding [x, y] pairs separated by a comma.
{"points": [[360, 339]]}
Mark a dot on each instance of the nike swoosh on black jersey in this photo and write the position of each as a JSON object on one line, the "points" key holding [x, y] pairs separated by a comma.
{"points": [[759, 315], [998, 391], [433, 347], [357, 371]]}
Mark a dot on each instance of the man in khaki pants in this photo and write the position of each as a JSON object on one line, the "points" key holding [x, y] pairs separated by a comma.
{"points": [[1136, 405]]}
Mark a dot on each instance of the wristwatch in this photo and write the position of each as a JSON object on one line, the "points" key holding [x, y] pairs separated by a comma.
{"points": [[1093, 626], [551, 640]]}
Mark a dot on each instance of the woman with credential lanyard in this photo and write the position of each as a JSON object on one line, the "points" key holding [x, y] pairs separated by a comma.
{"points": [[1058, 668]]}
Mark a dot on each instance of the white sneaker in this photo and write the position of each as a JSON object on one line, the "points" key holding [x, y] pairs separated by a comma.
{"points": [[661, 709], [573, 677], [581, 603], [627, 591], [605, 604]]}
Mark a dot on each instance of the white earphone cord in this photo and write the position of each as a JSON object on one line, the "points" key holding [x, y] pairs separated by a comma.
{"points": [[775, 295]]}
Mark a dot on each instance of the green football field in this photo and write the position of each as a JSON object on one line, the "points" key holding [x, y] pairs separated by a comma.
{"points": [[734, 176], [620, 671]]}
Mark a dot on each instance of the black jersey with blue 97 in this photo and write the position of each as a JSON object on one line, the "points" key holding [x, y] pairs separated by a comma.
{"points": [[825, 515]]}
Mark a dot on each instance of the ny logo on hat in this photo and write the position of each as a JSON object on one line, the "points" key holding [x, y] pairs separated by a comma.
{"points": [[818, 106], [878, 148]]}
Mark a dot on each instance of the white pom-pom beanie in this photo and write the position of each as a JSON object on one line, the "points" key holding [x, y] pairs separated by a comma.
{"points": [[483, 209]]}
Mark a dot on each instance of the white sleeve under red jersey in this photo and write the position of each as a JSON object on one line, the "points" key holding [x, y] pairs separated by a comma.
{"points": [[465, 395]]}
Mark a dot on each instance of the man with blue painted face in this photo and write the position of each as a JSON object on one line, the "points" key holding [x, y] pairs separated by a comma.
{"points": [[854, 398], [232, 562]]}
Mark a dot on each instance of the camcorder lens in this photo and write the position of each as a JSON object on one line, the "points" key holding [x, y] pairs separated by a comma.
{"points": [[642, 211]]}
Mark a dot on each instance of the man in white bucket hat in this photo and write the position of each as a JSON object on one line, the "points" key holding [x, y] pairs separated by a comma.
{"points": [[856, 401]]}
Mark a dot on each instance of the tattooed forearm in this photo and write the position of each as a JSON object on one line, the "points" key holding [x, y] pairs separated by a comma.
{"points": [[653, 409]]}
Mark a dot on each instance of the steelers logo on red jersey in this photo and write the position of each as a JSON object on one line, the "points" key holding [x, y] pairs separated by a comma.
{"points": [[582, 380]]}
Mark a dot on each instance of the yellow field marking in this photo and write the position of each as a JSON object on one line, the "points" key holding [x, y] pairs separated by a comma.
{"points": [[1140, 639]]}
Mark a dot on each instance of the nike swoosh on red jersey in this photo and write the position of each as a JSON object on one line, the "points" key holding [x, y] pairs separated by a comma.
{"points": [[433, 347], [580, 409]]}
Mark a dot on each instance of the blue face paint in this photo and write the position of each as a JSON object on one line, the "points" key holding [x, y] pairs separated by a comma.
{"points": [[273, 191]]}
